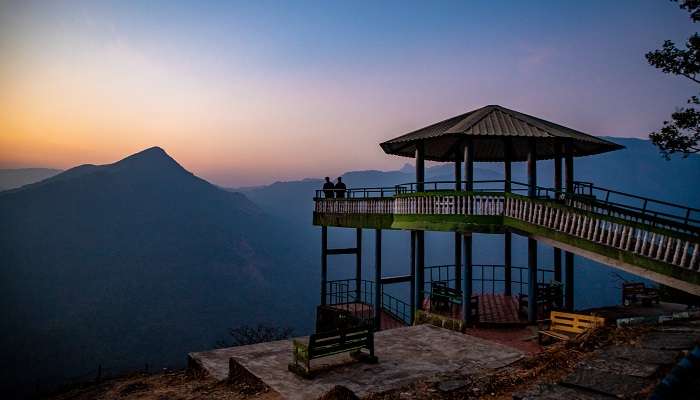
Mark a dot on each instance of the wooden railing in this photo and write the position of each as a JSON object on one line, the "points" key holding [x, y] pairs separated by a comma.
{"points": [[620, 233]]}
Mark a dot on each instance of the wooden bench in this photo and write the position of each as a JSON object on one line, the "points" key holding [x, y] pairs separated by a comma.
{"points": [[442, 297], [329, 343], [564, 326], [637, 292]]}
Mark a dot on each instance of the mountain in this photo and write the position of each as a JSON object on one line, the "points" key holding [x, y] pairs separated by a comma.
{"points": [[637, 169], [14, 178], [137, 262]]}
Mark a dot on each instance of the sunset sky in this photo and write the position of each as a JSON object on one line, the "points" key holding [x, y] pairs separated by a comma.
{"points": [[250, 93]]}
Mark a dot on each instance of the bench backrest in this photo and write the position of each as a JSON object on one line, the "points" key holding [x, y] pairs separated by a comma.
{"points": [[339, 340], [633, 288], [440, 288], [574, 323]]}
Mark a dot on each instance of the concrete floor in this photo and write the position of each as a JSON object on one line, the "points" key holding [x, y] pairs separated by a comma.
{"points": [[405, 355]]}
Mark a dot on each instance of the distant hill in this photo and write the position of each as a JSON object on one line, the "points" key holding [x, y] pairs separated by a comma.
{"points": [[137, 262], [637, 169], [14, 178]]}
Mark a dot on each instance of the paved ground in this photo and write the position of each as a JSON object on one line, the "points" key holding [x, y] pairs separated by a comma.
{"points": [[405, 355], [622, 371]]}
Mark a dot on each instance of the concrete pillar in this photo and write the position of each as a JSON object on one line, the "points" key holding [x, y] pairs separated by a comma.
{"points": [[377, 279], [324, 263], [569, 257], [467, 279]]}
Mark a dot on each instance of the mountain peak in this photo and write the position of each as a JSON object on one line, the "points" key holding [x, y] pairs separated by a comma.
{"points": [[151, 159]]}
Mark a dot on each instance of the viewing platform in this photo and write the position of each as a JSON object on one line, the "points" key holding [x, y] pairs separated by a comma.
{"points": [[654, 239], [649, 238]]}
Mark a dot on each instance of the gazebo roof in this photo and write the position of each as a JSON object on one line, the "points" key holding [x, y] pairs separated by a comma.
{"points": [[487, 127]]}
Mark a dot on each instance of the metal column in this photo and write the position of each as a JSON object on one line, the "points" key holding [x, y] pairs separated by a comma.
{"points": [[377, 279], [569, 257], [324, 263], [532, 243]]}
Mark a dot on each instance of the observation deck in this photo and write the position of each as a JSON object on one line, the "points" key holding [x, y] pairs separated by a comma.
{"points": [[650, 238]]}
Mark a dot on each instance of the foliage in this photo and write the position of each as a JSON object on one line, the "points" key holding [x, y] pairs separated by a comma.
{"points": [[682, 133], [246, 334]]}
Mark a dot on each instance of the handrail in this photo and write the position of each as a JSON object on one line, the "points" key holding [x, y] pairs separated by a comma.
{"points": [[343, 292], [482, 278], [585, 192]]}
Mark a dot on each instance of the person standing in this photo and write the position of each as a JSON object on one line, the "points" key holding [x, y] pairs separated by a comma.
{"points": [[328, 188], [340, 189]]}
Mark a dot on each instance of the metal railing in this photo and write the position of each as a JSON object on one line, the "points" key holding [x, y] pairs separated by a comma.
{"points": [[343, 293], [398, 309], [585, 195], [485, 276]]}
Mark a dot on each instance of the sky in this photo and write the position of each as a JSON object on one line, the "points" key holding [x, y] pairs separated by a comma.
{"points": [[255, 92]]}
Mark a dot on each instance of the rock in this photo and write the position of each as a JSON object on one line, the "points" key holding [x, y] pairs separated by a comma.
{"points": [[339, 393]]}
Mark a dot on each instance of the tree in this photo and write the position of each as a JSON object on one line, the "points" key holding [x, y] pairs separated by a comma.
{"points": [[682, 133]]}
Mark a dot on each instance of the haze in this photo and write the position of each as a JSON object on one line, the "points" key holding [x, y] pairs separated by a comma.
{"points": [[250, 93]]}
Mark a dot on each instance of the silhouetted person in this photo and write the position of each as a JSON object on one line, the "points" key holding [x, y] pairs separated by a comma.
{"points": [[340, 189], [328, 188]]}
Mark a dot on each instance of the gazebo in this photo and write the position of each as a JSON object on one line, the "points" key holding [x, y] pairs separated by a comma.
{"points": [[496, 134]]}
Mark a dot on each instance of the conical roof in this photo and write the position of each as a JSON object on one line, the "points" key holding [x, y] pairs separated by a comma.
{"points": [[493, 130]]}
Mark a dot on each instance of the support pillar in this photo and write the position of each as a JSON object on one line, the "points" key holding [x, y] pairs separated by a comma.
{"points": [[569, 284], [467, 239], [507, 236], [420, 235], [324, 263], [532, 281], [420, 166], [458, 236], [358, 265], [569, 257], [532, 243], [413, 277], [467, 281], [469, 165], [507, 264], [420, 268], [378, 279], [557, 188]]}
